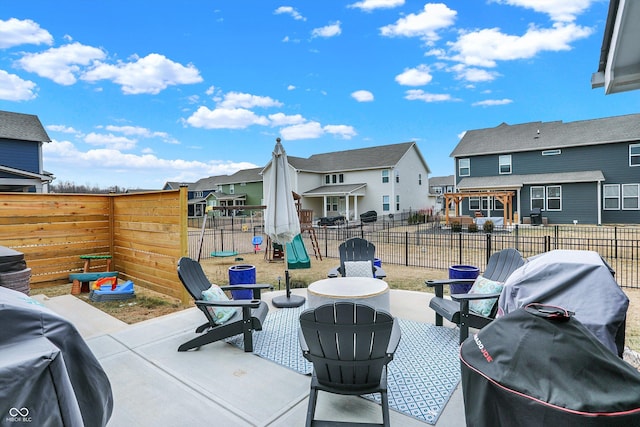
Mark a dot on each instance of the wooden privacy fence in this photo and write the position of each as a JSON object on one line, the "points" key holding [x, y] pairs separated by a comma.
{"points": [[145, 233]]}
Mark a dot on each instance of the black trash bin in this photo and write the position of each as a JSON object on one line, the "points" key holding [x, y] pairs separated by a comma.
{"points": [[536, 216]]}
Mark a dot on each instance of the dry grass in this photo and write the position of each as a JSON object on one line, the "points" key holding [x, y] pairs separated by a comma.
{"points": [[147, 304]]}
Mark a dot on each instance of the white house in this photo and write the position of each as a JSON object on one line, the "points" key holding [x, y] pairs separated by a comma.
{"points": [[388, 179]]}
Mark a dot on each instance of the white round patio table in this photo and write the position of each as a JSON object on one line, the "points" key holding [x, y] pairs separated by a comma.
{"points": [[360, 290]]}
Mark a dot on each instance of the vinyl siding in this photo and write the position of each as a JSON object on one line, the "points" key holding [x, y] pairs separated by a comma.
{"points": [[23, 155]]}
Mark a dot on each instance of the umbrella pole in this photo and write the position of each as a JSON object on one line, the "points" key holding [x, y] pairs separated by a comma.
{"points": [[288, 300]]}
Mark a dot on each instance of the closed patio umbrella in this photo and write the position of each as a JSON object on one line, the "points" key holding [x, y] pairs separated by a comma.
{"points": [[281, 221]]}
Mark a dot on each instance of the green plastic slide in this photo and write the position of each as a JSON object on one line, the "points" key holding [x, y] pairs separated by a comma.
{"points": [[297, 256]]}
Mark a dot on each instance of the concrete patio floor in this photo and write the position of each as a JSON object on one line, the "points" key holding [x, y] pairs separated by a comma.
{"points": [[154, 385]]}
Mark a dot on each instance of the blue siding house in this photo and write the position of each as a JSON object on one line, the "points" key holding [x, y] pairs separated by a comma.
{"points": [[585, 171], [21, 139]]}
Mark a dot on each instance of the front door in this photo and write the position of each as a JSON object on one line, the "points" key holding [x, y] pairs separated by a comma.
{"points": [[333, 206]]}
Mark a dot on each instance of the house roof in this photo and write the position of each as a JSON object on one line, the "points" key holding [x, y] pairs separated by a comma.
{"points": [[25, 127], [442, 181], [517, 181], [244, 175], [379, 157], [335, 190], [619, 66], [548, 135]]}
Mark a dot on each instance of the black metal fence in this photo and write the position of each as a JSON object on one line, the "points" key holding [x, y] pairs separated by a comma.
{"points": [[431, 245]]}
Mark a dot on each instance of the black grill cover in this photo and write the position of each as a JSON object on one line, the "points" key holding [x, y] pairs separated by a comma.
{"points": [[48, 374], [536, 368], [11, 260]]}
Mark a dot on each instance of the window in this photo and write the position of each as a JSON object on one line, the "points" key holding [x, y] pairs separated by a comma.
{"points": [[219, 188], [334, 179], [504, 164], [611, 196], [232, 188], [385, 176], [397, 176], [198, 194], [474, 203], [551, 152], [464, 167], [332, 204], [397, 202], [631, 196], [537, 197], [634, 155], [419, 179], [554, 198], [385, 203]]}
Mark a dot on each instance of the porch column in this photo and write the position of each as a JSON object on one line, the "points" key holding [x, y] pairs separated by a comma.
{"points": [[346, 196], [355, 206], [324, 205]]}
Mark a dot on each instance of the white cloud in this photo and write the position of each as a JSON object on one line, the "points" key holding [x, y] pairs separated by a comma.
{"points": [[362, 96], [418, 76], [15, 32], [13, 88], [109, 165], [246, 100], [330, 30], [63, 129], [492, 102], [343, 131], [565, 10], [149, 75], [225, 118], [485, 47], [110, 141], [288, 10], [141, 132], [472, 74], [61, 64], [420, 95], [281, 119], [291, 87], [309, 130], [434, 17], [313, 130], [369, 5]]}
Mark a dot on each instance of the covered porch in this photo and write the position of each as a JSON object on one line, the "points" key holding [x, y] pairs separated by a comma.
{"points": [[339, 199]]}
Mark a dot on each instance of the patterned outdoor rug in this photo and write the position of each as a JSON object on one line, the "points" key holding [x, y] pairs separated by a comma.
{"points": [[421, 378]]}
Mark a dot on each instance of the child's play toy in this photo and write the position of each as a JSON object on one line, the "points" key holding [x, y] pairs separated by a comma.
{"points": [[111, 291]]}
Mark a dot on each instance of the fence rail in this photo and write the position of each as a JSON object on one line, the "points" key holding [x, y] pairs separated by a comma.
{"points": [[430, 245]]}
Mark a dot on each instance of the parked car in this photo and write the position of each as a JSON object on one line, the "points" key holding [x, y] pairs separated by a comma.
{"points": [[331, 220], [369, 216]]}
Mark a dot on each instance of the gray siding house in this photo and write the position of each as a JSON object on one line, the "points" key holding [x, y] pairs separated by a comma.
{"points": [[585, 171], [21, 139]]}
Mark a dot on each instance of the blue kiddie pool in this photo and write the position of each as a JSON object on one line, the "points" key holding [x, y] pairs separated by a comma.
{"points": [[462, 272], [242, 274]]}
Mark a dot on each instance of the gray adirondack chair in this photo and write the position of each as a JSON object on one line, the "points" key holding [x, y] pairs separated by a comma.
{"points": [[246, 320], [350, 346], [456, 310], [357, 249]]}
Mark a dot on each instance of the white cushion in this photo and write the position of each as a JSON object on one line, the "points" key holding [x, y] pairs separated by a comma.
{"points": [[483, 285], [219, 314], [358, 269]]}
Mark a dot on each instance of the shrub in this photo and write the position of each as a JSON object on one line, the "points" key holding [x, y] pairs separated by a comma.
{"points": [[487, 227], [472, 228], [456, 226], [417, 218]]}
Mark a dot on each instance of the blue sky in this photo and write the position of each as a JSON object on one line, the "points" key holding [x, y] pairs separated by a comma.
{"points": [[136, 93]]}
